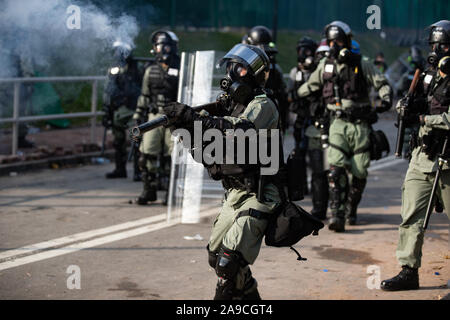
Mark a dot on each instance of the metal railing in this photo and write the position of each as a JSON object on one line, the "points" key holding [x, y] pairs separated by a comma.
{"points": [[16, 119]]}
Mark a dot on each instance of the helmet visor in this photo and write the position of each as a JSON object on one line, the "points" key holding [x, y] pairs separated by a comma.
{"points": [[438, 35], [243, 54]]}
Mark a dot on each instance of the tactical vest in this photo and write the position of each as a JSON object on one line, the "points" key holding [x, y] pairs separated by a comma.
{"points": [[351, 82], [163, 84], [123, 87], [233, 175], [438, 94]]}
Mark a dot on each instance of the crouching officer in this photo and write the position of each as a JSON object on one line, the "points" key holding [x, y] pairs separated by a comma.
{"points": [[250, 198], [159, 87], [122, 89], [344, 78], [431, 99], [309, 110]]}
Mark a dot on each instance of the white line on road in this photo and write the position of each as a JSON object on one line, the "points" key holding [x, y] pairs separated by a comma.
{"points": [[61, 246], [382, 165], [93, 243], [79, 237]]}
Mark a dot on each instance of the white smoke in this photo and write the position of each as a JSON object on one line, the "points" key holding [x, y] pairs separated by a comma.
{"points": [[37, 31]]}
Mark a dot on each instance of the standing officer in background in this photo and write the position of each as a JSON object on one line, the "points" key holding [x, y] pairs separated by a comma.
{"points": [[250, 198], [309, 110], [122, 89], [159, 87], [262, 37], [429, 106], [344, 79]]}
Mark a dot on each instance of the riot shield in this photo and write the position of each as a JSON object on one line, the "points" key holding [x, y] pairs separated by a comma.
{"points": [[191, 191]]}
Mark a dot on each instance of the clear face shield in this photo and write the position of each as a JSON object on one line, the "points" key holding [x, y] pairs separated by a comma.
{"points": [[247, 57], [243, 65]]}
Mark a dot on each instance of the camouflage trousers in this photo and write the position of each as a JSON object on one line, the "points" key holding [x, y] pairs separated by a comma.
{"points": [[416, 192]]}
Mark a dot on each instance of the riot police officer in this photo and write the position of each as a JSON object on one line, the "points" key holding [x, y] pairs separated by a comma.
{"points": [[429, 107], [250, 198], [261, 36], [309, 110], [344, 78], [159, 87], [122, 89]]}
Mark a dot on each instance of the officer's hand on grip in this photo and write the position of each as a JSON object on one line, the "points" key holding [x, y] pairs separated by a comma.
{"points": [[178, 113]]}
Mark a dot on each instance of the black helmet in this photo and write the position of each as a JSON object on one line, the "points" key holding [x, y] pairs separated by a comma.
{"points": [[308, 43], [261, 36], [306, 48], [240, 82], [338, 30], [439, 32], [165, 44], [122, 51], [439, 38]]}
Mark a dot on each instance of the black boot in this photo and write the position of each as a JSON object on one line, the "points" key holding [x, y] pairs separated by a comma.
{"points": [[149, 191], [117, 173], [24, 143], [337, 222], [120, 171], [354, 198], [338, 190], [319, 189], [407, 279]]}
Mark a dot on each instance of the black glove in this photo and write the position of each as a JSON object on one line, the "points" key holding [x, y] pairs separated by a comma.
{"points": [[178, 113], [385, 106]]}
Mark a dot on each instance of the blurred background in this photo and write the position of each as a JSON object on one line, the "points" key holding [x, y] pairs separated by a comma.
{"points": [[35, 40]]}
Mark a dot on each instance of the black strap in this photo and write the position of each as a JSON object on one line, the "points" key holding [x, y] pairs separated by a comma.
{"points": [[350, 154], [254, 213]]}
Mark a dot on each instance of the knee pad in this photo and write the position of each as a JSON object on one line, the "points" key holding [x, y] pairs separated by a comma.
{"points": [[228, 263], [142, 162], [356, 190], [336, 174]]}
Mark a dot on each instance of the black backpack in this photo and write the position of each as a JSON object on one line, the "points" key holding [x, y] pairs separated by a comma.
{"points": [[289, 225]]}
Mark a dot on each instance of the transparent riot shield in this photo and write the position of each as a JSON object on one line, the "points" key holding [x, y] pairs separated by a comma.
{"points": [[191, 191]]}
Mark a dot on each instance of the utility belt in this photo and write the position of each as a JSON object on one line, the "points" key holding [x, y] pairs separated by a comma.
{"points": [[432, 143], [255, 183], [352, 114]]}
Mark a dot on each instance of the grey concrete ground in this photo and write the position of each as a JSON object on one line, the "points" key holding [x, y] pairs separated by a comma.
{"points": [[141, 258]]}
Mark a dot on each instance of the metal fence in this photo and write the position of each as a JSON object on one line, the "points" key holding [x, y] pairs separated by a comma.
{"points": [[16, 119]]}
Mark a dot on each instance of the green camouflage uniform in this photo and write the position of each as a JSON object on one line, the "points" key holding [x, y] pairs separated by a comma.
{"points": [[348, 138], [159, 87], [416, 190]]}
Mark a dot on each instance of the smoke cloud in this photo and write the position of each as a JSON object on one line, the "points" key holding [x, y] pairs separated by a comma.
{"points": [[35, 34]]}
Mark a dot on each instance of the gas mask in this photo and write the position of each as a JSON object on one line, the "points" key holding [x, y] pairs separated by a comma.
{"points": [[305, 58], [236, 83], [163, 52], [335, 50], [438, 53]]}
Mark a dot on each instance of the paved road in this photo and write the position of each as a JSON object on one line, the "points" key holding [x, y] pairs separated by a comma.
{"points": [[57, 224]]}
